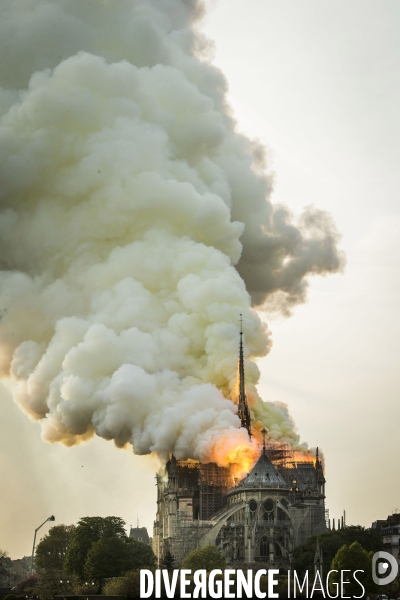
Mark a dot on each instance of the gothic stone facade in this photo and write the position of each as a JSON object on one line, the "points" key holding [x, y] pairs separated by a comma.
{"points": [[260, 519]]}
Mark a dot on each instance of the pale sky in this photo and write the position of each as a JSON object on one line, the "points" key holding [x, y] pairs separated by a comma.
{"points": [[318, 83]]}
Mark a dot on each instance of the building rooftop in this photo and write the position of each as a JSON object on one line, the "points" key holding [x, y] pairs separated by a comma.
{"points": [[140, 534], [263, 474]]}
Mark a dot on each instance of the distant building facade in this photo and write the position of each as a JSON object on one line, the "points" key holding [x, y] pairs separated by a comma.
{"points": [[140, 534], [13, 571], [390, 532], [277, 506]]}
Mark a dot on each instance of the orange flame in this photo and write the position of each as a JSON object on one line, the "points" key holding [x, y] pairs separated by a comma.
{"points": [[241, 454], [303, 457], [241, 460], [236, 451]]}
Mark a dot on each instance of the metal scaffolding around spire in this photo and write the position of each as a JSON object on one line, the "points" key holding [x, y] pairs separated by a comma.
{"points": [[243, 409]]}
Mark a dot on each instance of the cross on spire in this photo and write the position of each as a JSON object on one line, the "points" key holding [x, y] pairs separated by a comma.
{"points": [[264, 434]]}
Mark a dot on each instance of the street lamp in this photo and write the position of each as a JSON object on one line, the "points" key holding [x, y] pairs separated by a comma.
{"points": [[52, 518]]}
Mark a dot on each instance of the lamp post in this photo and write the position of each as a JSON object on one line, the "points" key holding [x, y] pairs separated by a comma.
{"points": [[52, 518]]}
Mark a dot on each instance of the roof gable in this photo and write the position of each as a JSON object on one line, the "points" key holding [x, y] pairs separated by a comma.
{"points": [[263, 474]]}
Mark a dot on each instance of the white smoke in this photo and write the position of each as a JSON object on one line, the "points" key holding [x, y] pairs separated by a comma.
{"points": [[136, 225]]}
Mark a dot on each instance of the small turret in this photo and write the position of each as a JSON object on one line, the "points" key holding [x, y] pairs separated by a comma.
{"points": [[319, 475]]}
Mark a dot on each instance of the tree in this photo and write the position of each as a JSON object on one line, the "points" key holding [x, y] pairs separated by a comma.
{"points": [[141, 555], [113, 557], [52, 549], [88, 531], [330, 542], [207, 558], [127, 586], [108, 557], [392, 590], [3, 562], [168, 562], [27, 585], [47, 585], [353, 558]]}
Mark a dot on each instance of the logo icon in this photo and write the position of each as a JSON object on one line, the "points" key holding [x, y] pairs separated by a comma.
{"points": [[384, 568]]}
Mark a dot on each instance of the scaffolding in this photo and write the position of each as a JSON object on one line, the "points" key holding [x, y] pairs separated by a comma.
{"points": [[188, 474], [282, 457], [214, 482], [327, 520], [207, 484]]}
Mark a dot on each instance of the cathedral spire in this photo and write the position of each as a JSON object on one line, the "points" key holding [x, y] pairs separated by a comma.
{"points": [[243, 409]]}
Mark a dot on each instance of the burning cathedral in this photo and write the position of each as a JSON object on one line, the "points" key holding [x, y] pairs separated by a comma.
{"points": [[259, 518]]}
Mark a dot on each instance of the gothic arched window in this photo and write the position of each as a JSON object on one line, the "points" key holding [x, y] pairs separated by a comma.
{"points": [[253, 505], [264, 546], [268, 506]]}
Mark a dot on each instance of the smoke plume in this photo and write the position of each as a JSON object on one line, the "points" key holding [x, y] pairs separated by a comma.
{"points": [[136, 225]]}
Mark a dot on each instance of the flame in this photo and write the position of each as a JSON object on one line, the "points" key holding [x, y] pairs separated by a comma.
{"points": [[241, 460], [304, 457], [237, 454], [235, 389], [241, 456], [236, 451]]}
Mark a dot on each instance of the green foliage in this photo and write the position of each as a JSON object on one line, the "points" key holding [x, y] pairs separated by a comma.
{"points": [[11, 597], [113, 557], [392, 590], [127, 586], [88, 531], [353, 558], [104, 526], [27, 585], [282, 587], [141, 555], [168, 562], [47, 585], [97, 548], [50, 557], [87, 588], [330, 542], [3, 561], [108, 557], [204, 558], [52, 549]]}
